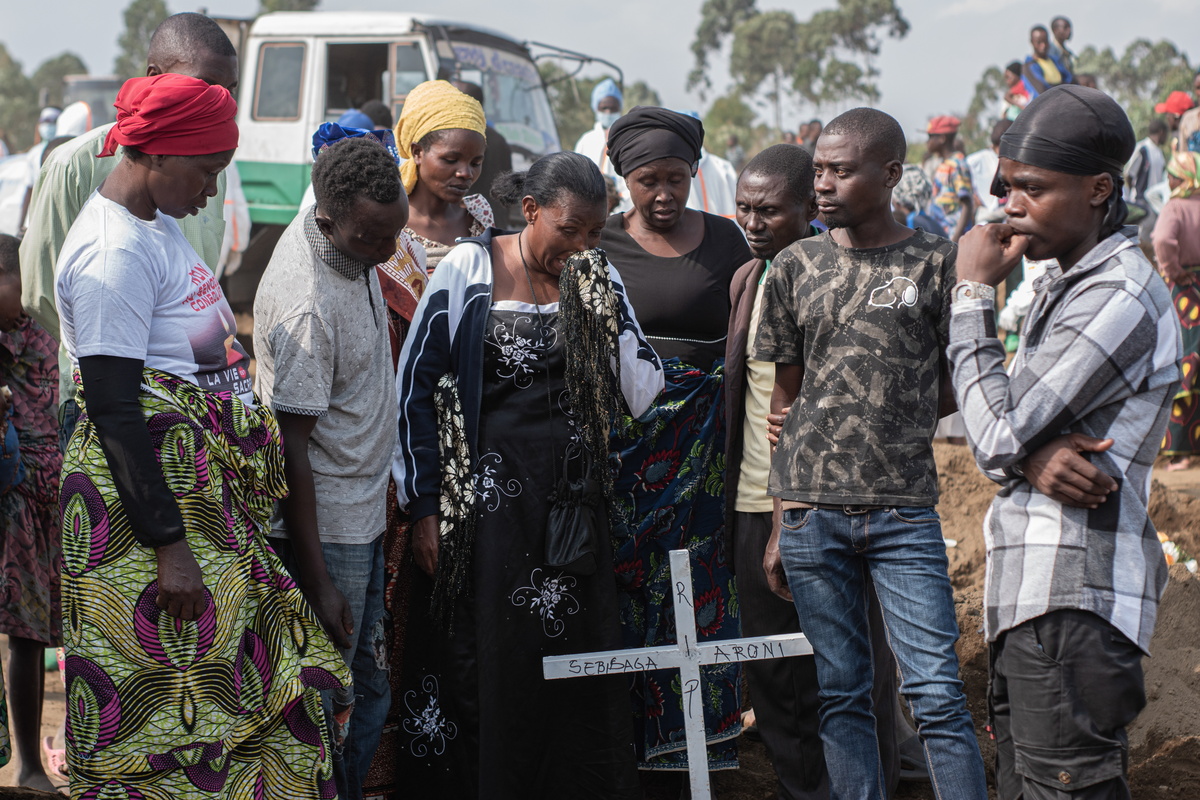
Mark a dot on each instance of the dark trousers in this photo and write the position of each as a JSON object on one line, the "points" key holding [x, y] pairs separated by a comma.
{"points": [[783, 691], [1063, 687]]}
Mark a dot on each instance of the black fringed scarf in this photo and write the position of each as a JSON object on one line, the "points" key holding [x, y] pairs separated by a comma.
{"points": [[589, 314]]}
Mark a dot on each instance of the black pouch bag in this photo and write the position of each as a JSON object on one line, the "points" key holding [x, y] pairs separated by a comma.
{"points": [[578, 517]]}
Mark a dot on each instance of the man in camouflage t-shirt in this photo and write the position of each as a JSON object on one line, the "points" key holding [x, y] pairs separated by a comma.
{"points": [[870, 326], [856, 321]]}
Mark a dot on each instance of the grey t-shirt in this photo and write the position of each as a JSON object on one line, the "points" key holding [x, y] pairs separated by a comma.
{"points": [[321, 340], [869, 326]]}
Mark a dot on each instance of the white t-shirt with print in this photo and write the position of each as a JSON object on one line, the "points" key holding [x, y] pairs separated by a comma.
{"points": [[136, 288]]}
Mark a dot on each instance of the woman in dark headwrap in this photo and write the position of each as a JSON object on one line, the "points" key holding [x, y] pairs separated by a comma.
{"points": [[193, 662], [677, 265]]}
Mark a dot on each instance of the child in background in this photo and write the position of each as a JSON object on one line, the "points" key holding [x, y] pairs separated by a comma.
{"points": [[29, 516]]}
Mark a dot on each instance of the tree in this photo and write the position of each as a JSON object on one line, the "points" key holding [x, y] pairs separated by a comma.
{"points": [[763, 52], [718, 18], [571, 100], [48, 78], [141, 18], [729, 111], [728, 116], [267, 6], [976, 125], [1143, 76], [824, 59], [18, 104], [639, 93]]}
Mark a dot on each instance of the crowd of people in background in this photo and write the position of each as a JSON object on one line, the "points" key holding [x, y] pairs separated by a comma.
{"points": [[484, 407]]}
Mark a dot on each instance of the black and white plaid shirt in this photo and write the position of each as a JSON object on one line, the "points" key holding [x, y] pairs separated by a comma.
{"points": [[1100, 355]]}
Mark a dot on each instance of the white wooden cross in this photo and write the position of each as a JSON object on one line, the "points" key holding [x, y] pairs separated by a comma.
{"points": [[687, 656]]}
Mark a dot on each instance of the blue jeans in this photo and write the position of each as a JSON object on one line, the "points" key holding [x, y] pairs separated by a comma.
{"points": [[357, 571], [827, 555]]}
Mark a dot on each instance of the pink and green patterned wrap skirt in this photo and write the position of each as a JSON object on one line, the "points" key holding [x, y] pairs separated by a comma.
{"points": [[224, 706]]}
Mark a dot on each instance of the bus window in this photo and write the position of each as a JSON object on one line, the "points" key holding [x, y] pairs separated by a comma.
{"points": [[353, 75], [514, 100], [280, 76], [410, 69]]}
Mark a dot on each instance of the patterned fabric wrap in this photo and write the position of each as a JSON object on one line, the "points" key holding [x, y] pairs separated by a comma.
{"points": [[1185, 166], [590, 314], [914, 189], [29, 516], [670, 494], [456, 534], [951, 180], [222, 706], [402, 278], [330, 133], [1183, 428], [482, 218]]}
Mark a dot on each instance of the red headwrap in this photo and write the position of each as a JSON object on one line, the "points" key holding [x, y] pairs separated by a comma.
{"points": [[173, 115]]}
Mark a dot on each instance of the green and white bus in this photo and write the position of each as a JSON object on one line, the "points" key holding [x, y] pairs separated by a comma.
{"points": [[302, 69]]}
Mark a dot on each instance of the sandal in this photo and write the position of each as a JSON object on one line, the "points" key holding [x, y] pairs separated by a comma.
{"points": [[56, 758]]}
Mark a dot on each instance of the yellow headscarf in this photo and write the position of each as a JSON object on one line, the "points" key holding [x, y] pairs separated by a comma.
{"points": [[433, 106], [1185, 166]]}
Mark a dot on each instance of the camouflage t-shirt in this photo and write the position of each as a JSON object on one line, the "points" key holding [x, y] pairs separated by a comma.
{"points": [[869, 327]]}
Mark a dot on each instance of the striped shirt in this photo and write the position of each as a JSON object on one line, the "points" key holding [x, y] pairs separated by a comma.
{"points": [[1100, 355]]}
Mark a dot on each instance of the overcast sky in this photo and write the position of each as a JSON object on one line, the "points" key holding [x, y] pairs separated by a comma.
{"points": [[932, 71]]}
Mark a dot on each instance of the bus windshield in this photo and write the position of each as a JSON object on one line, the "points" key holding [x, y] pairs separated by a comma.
{"points": [[514, 99]]}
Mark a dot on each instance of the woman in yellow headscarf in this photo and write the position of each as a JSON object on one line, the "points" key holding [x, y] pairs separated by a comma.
{"points": [[441, 137], [1177, 250]]}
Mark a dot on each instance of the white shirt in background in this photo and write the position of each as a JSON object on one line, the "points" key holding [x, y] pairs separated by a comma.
{"points": [[714, 188], [594, 145]]}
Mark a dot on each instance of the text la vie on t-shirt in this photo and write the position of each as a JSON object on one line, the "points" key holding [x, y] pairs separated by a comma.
{"points": [[136, 288]]}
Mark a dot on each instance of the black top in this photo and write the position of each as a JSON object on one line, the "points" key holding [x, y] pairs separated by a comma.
{"points": [[682, 303]]}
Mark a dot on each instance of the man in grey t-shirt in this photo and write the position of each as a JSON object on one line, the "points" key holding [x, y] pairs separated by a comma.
{"points": [[324, 368], [856, 322]]}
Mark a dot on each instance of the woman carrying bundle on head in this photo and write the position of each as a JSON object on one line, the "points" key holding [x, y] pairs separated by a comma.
{"points": [[522, 352], [193, 663]]}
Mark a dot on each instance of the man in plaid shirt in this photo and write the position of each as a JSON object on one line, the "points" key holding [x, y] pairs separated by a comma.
{"points": [[1075, 570]]}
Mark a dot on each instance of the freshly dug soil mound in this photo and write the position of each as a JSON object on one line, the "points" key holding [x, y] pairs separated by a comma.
{"points": [[1165, 739]]}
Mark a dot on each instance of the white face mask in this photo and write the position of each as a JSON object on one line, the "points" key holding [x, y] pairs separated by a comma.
{"points": [[607, 118], [46, 130]]}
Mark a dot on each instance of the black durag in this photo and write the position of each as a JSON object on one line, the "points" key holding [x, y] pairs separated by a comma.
{"points": [[649, 133], [1076, 130]]}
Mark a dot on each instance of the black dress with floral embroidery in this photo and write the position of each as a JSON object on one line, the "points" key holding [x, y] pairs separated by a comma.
{"points": [[482, 720]]}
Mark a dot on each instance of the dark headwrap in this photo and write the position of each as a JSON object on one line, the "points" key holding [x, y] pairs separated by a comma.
{"points": [[648, 133], [1076, 130]]}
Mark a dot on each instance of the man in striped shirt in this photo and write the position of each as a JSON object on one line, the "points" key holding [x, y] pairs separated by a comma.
{"points": [[1075, 570]]}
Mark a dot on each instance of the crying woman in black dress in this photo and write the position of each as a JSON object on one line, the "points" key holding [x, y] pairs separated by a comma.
{"points": [[487, 340]]}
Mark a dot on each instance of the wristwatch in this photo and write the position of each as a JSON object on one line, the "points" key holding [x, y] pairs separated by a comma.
{"points": [[972, 290]]}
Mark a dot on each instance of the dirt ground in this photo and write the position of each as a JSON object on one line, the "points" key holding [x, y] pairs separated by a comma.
{"points": [[1165, 739]]}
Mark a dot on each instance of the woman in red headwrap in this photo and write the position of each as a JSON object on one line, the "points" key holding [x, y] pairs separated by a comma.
{"points": [[193, 661]]}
